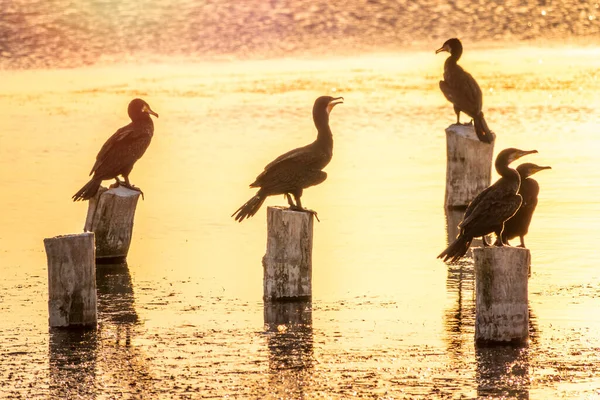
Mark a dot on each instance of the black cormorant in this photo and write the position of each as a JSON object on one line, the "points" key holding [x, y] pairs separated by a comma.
{"points": [[462, 90], [518, 224], [298, 169], [121, 150], [490, 208]]}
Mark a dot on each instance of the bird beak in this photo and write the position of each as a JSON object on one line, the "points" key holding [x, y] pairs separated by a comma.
{"points": [[443, 48], [333, 103], [147, 109], [525, 152], [538, 169], [520, 154]]}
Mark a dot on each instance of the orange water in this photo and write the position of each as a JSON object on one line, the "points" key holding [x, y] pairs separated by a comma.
{"points": [[388, 317]]}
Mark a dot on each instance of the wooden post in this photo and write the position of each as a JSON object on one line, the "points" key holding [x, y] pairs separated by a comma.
{"points": [[110, 216], [469, 165], [71, 280], [501, 310], [288, 261]]}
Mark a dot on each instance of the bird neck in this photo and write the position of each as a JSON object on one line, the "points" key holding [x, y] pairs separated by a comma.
{"points": [[324, 135], [454, 56], [508, 173], [143, 119]]}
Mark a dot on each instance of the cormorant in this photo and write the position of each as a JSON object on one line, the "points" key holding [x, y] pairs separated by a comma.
{"points": [[298, 169], [462, 90], [518, 224], [121, 150], [490, 208]]}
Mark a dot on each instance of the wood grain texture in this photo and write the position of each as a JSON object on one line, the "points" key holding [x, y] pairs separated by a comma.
{"points": [[501, 294], [71, 280], [110, 216], [468, 167], [288, 260]]}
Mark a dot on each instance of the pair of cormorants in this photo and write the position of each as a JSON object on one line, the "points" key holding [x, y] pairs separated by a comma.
{"points": [[505, 208], [289, 174]]}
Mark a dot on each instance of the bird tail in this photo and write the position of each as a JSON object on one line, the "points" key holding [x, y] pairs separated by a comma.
{"points": [[249, 208], [483, 130], [456, 249], [88, 190]]}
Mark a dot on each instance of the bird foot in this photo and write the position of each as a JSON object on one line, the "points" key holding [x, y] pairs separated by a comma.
{"points": [[296, 208], [131, 187], [521, 246], [498, 243]]}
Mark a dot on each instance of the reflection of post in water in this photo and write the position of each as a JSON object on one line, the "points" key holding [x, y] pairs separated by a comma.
{"points": [[290, 342], [503, 372], [115, 294], [454, 217], [459, 319], [125, 367], [72, 363]]}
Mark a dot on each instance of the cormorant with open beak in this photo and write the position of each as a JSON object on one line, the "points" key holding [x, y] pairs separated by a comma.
{"points": [[294, 171]]}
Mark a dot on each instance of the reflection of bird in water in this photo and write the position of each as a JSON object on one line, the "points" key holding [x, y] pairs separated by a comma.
{"points": [[518, 224], [490, 208], [298, 169], [462, 90], [121, 150]]}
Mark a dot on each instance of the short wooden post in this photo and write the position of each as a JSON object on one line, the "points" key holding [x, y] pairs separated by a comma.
{"points": [[469, 165], [110, 216], [501, 298], [71, 280], [288, 261]]}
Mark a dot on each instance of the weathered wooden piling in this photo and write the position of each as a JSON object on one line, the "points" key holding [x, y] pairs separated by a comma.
{"points": [[469, 165], [110, 216], [71, 280], [288, 261], [501, 298]]}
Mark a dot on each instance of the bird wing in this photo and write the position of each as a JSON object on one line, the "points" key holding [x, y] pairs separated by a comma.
{"points": [[124, 146], [286, 170], [475, 202], [497, 207], [462, 90]]}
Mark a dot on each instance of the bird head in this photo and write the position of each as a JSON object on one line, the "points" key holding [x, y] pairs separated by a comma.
{"points": [[452, 46], [511, 154], [326, 104], [137, 108], [528, 169]]}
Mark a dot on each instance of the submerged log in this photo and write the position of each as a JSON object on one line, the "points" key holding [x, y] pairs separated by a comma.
{"points": [[110, 216], [71, 280], [469, 165], [288, 261], [501, 310]]}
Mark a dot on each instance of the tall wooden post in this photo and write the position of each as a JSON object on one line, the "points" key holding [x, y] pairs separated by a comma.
{"points": [[501, 310], [71, 280], [469, 165], [110, 216], [288, 261]]}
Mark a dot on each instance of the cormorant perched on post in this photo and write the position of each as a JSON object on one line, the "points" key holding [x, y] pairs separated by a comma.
{"points": [[121, 150], [462, 90], [490, 208], [298, 169], [518, 224]]}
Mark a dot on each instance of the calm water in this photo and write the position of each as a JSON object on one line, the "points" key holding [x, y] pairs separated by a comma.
{"points": [[185, 318]]}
